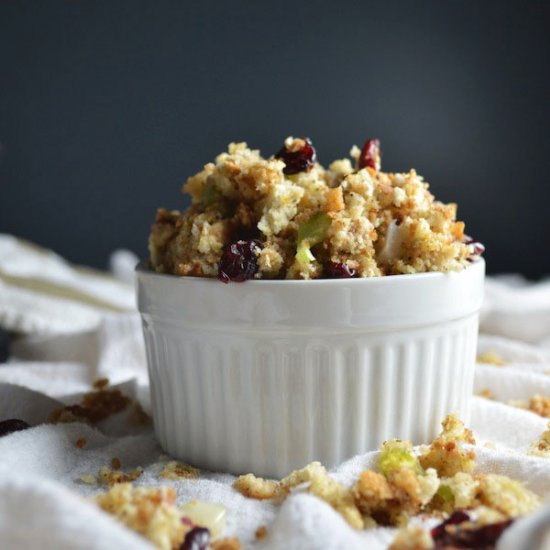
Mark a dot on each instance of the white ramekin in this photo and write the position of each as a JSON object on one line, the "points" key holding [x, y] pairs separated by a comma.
{"points": [[266, 376]]}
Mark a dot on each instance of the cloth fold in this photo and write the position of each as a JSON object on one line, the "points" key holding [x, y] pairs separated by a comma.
{"points": [[71, 326]]}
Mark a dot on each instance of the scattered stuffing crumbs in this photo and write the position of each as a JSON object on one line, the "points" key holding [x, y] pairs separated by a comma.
{"points": [[435, 480], [491, 357], [486, 393], [81, 442], [100, 404], [258, 488], [153, 513], [101, 383], [539, 404], [150, 511], [107, 476], [94, 407], [542, 446], [177, 470], [448, 453], [116, 463]]}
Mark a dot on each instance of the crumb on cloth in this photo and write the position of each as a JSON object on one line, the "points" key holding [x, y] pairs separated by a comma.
{"points": [[408, 482]]}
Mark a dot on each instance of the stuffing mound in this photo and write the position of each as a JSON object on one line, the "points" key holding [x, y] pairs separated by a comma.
{"points": [[287, 217]]}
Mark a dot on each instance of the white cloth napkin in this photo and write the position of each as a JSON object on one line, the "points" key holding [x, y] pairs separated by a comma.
{"points": [[75, 325]]}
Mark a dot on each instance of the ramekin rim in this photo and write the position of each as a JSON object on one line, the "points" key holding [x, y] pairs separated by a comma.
{"points": [[386, 279]]}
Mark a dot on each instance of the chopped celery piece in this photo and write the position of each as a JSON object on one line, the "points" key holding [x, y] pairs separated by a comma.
{"points": [[210, 194], [304, 255], [311, 232], [315, 229], [396, 455], [445, 493]]}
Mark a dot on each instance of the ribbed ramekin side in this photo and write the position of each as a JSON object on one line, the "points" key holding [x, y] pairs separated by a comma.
{"points": [[271, 403]]}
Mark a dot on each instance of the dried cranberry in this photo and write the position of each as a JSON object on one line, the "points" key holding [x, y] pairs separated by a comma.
{"points": [[239, 261], [300, 160], [12, 425], [454, 519], [370, 154], [196, 539], [451, 533], [479, 249], [336, 270]]}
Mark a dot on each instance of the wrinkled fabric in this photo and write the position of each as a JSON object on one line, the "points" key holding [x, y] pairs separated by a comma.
{"points": [[73, 326]]}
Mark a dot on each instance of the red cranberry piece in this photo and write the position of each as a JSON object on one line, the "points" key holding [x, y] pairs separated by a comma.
{"points": [[299, 160], [196, 539], [451, 533], [454, 519], [479, 249], [336, 270], [239, 261], [485, 536], [12, 425], [370, 154]]}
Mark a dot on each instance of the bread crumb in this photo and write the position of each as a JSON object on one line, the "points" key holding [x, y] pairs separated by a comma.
{"points": [[81, 442], [94, 407], [111, 477], [150, 511], [538, 404], [447, 453], [116, 463], [255, 487], [541, 447], [491, 357], [101, 383], [261, 532], [232, 543], [486, 393], [335, 200], [177, 470]]}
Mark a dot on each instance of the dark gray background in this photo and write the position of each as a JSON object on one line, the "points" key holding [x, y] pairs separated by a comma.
{"points": [[106, 107]]}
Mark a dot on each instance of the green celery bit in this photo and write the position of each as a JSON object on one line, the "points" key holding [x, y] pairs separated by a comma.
{"points": [[315, 229], [210, 194], [446, 493], [310, 233], [304, 255], [396, 455]]}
